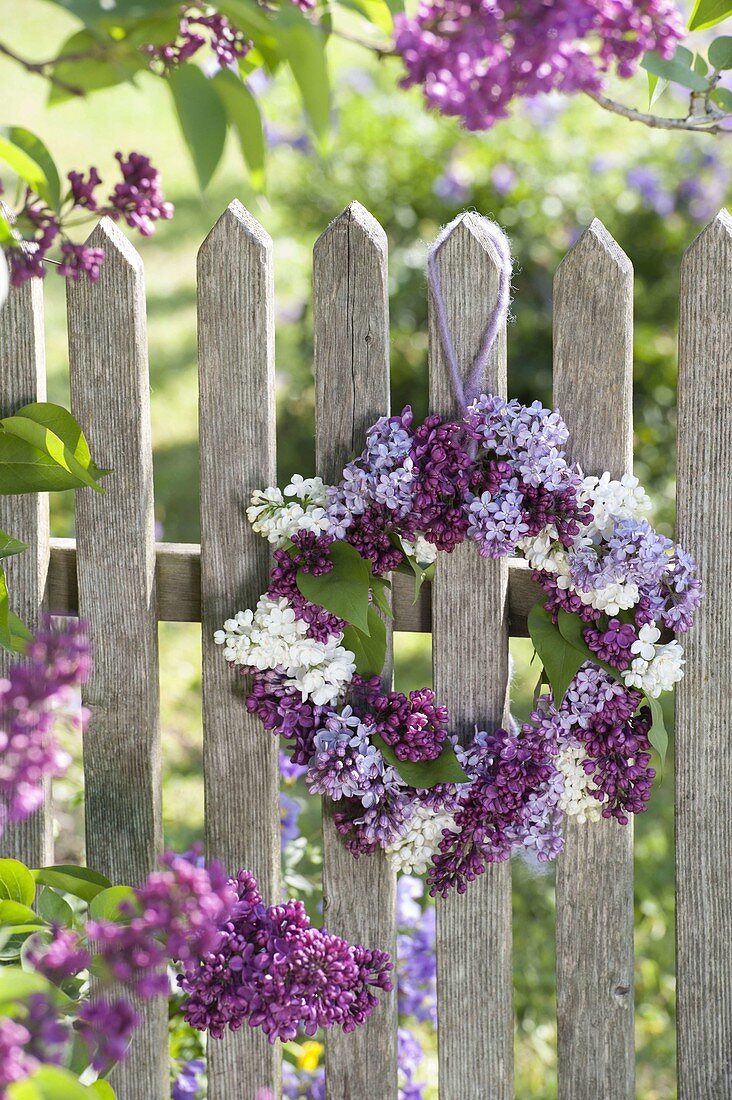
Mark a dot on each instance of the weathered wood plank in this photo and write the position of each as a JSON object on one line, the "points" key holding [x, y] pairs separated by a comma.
{"points": [[178, 582], [22, 380], [704, 748], [351, 327], [469, 618], [237, 438], [116, 576], [593, 378]]}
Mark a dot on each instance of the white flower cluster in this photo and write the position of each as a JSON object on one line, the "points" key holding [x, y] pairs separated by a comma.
{"points": [[421, 549], [412, 853], [278, 519], [576, 800], [611, 500], [272, 637], [655, 668]]}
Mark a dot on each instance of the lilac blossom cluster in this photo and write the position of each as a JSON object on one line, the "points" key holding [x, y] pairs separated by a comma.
{"points": [[499, 478], [273, 970], [137, 199], [473, 58], [38, 697], [198, 27]]}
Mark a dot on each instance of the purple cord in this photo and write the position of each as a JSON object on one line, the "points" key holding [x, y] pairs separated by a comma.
{"points": [[466, 393]]}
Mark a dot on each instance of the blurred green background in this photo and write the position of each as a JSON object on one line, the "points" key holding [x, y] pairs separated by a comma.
{"points": [[543, 174]]}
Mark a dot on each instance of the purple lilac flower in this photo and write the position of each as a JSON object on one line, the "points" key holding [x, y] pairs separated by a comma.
{"points": [[82, 191], [106, 1028], [497, 808], [282, 710], [442, 468], [176, 914], [472, 59], [80, 259], [38, 694], [613, 643], [274, 971], [303, 1084], [138, 199], [416, 958], [683, 591], [345, 764], [289, 771], [228, 43], [414, 726], [290, 810], [409, 1056], [309, 553], [48, 1037], [15, 1062], [59, 958], [188, 1082]]}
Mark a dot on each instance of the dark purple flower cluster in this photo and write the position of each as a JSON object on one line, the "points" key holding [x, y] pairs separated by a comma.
{"points": [[273, 970], [138, 198], [495, 809], [282, 710], [58, 958], [38, 695], [309, 553], [106, 1028], [442, 470], [472, 58], [613, 643], [414, 726], [195, 30]]}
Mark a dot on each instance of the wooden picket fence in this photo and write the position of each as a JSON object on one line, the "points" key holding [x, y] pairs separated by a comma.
{"points": [[116, 576]]}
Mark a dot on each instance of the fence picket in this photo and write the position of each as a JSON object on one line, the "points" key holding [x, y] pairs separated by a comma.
{"points": [[470, 667], [23, 375], [116, 575], [703, 747], [593, 378], [237, 433], [351, 325]]}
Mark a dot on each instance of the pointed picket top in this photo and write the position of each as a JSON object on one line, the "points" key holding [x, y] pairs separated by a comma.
{"points": [[236, 224], [119, 251], [716, 234], [595, 246], [354, 219], [469, 236]]}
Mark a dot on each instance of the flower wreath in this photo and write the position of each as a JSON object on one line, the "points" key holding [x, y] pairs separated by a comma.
{"points": [[316, 643]]}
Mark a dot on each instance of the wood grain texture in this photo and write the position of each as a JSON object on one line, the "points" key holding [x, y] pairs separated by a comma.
{"points": [[237, 434], [116, 576], [178, 583], [593, 378], [470, 671], [351, 328], [22, 380], [704, 748]]}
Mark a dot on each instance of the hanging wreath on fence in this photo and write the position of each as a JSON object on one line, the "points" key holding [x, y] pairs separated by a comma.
{"points": [[315, 645]]}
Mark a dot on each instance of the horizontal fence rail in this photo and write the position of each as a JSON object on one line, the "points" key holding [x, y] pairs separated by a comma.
{"points": [[125, 583]]}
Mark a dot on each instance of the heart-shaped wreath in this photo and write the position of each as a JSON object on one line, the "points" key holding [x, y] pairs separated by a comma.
{"points": [[316, 643]]}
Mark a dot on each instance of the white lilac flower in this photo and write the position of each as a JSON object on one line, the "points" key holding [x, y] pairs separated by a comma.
{"points": [[412, 853], [576, 800], [657, 672], [612, 499], [612, 598], [272, 637], [278, 519], [423, 551]]}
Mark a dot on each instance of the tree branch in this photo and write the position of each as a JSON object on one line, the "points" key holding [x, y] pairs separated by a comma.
{"points": [[41, 68], [698, 124]]}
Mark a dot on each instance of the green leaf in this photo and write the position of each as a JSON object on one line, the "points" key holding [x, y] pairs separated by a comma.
{"points": [[79, 881], [202, 119], [345, 590], [6, 640], [723, 98], [20, 635], [20, 917], [243, 113], [303, 46], [16, 882], [38, 152], [559, 657], [56, 1083], [112, 61], [720, 53], [369, 649], [570, 627], [678, 72], [707, 13], [699, 65], [658, 734], [102, 1089], [106, 905], [55, 909], [10, 546], [26, 168], [53, 431], [656, 88], [17, 984], [424, 774]]}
